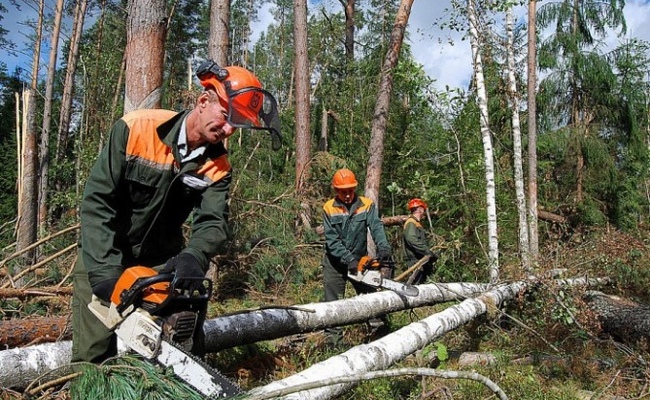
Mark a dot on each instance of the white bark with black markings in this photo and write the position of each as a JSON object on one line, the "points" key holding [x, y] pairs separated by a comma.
{"points": [[18, 367], [390, 349]]}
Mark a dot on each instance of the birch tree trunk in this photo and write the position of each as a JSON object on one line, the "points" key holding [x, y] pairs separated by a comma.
{"points": [[145, 50], [219, 39], [493, 240], [44, 153], [524, 249], [390, 349], [532, 131]]}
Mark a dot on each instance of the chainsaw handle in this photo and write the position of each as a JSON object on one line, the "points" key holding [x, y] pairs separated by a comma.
{"points": [[132, 295], [129, 296]]}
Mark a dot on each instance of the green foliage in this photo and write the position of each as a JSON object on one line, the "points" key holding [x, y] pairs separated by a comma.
{"points": [[182, 35], [9, 85], [129, 378]]}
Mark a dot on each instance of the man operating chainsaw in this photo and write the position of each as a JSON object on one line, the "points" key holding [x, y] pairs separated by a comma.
{"points": [[346, 220], [158, 167]]}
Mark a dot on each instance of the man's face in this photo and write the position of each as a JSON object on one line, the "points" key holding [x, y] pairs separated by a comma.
{"points": [[345, 195], [418, 212], [213, 120]]}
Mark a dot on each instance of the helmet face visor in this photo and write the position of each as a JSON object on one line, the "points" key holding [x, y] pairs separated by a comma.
{"points": [[249, 107], [255, 108]]}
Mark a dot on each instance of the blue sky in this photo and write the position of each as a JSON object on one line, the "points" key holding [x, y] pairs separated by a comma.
{"points": [[444, 56]]}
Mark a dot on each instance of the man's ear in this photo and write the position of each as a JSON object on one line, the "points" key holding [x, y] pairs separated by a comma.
{"points": [[203, 99]]}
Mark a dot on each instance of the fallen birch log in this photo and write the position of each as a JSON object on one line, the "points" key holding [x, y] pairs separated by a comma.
{"points": [[19, 367], [384, 352], [266, 324], [249, 327], [263, 324]]}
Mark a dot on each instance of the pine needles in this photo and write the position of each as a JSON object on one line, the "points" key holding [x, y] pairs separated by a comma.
{"points": [[129, 378]]}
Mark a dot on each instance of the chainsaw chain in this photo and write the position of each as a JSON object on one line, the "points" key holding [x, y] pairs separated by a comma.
{"points": [[230, 389]]}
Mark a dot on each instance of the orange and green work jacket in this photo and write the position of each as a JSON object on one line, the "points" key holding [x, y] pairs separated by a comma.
{"points": [[346, 230], [415, 241], [138, 196]]}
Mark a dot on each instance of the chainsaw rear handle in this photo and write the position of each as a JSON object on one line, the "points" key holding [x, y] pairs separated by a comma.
{"points": [[134, 294]]}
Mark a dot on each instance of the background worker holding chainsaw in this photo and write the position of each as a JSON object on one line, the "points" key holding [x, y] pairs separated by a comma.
{"points": [[158, 167], [415, 242], [347, 218]]}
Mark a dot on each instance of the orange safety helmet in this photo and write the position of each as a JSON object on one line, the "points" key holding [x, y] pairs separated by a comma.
{"points": [[249, 106], [415, 203], [344, 179]]}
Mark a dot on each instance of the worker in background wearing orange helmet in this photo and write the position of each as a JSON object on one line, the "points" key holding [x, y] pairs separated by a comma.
{"points": [[158, 167], [415, 241], [346, 220]]}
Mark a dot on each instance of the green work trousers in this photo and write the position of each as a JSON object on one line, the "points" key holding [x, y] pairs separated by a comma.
{"points": [[334, 280], [91, 340]]}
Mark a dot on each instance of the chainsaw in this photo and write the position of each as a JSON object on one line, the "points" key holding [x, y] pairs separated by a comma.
{"points": [[369, 272], [156, 319]]}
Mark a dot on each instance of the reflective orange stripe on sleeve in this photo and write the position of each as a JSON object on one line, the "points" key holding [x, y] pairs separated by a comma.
{"points": [[215, 169]]}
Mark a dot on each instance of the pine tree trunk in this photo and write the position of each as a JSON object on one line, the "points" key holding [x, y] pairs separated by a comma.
{"points": [[219, 39], [349, 29], [27, 206], [44, 150], [145, 49], [303, 136], [68, 85], [380, 116]]}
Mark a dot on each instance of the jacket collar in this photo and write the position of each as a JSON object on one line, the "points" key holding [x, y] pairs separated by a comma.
{"points": [[168, 130]]}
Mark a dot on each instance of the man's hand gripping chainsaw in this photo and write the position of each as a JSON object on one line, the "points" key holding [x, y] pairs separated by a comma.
{"points": [[157, 320], [369, 273]]}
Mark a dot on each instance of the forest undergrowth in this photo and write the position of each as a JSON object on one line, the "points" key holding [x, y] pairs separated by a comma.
{"points": [[546, 344]]}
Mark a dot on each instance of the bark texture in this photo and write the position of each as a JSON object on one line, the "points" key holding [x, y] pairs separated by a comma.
{"points": [[233, 330], [145, 49], [388, 350], [19, 367], [226, 331], [488, 150], [380, 115], [219, 39], [625, 320], [19, 332], [301, 66], [28, 196]]}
